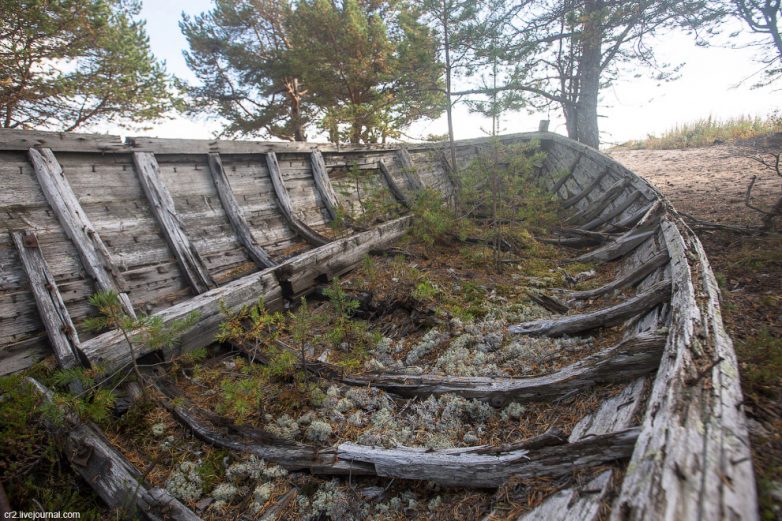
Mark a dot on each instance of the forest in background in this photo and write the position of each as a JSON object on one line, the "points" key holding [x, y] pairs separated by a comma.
{"points": [[358, 71]]}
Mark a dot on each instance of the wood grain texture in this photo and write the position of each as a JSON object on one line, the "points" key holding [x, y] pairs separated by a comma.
{"points": [[409, 169], [55, 317], [395, 189], [93, 252], [162, 205], [323, 183], [285, 205], [235, 215]]}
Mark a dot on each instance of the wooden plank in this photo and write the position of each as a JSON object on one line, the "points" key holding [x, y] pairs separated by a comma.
{"points": [[631, 358], [234, 213], [397, 192], [94, 254], [582, 503], [286, 207], [323, 183], [295, 276], [596, 208], [409, 169], [618, 209], [467, 467], [116, 481], [571, 171], [606, 317], [633, 277], [55, 317], [572, 201], [205, 146], [12, 139], [692, 459], [162, 205]]}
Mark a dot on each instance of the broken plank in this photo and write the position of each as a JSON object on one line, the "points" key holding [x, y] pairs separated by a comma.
{"points": [[234, 213], [323, 184], [620, 207], [561, 182], [285, 205], [55, 317], [116, 481], [631, 358], [94, 254], [162, 205], [463, 467], [596, 208], [606, 317]]}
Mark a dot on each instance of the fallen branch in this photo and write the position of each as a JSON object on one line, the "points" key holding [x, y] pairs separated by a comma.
{"points": [[630, 279]]}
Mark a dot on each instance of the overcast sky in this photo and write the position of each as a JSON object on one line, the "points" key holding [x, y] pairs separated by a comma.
{"points": [[632, 108]]}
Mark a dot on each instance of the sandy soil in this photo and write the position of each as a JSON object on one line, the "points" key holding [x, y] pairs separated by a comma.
{"points": [[710, 183]]}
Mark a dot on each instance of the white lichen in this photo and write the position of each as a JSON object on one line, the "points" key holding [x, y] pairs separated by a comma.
{"points": [[225, 492], [318, 431], [184, 482]]}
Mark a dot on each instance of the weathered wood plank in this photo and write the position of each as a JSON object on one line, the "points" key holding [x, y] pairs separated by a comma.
{"points": [[234, 213], [466, 468], [632, 277], [396, 191], [409, 169], [162, 205], [646, 227], [286, 207], [631, 358], [323, 183], [12, 139], [565, 178], [596, 208], [692, 459], [606, 317], [294, 276], [55, 317], [620, 207], [94, 254], [572, 201], [116, 481], [614, 414], [580, 503]]}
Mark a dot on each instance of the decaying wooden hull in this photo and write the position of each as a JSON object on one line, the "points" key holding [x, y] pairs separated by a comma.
{"points": [[176, 226]]}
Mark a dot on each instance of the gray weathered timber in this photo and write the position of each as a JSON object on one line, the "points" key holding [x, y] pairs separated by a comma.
{"points": [[629, 221], [110, 350], [323, 183], [205, 146], [629, 279], [631, 358], [571, 171], [397, 192], [304, 271], [55, 317], [12, 139], [162, 205], [234, 213], [617, 248], [692, 459], [620, 207], [286, 206], [409, 169], [596, 208], [606, 317], [94, 255], [582, 503], [572, 201], [614, 414], [116, 481], [464, 467]]}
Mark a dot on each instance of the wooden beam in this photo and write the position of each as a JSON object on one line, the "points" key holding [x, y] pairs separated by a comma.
{"points": [[466, 467], [397, 192], [297, 275], [618, 209], [55, 317], [286, 206], [596, 208], [631, 278], [572, 201], [323, 183], [606, 317], [162, 205], [645, 228], [12, 139], [409, 169], [562, 180], [234, 213], [631, 358], [116, 481], [93, 252]]}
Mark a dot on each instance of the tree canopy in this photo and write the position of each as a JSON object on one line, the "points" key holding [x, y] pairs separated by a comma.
{"points": [[65, 64], [361, 70]]}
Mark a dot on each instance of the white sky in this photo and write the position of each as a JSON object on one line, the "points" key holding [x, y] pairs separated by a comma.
{"points": [[632, 108]]}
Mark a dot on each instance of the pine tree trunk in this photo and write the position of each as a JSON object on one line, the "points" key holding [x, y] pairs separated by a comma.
{"points": [[581, 119]]}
